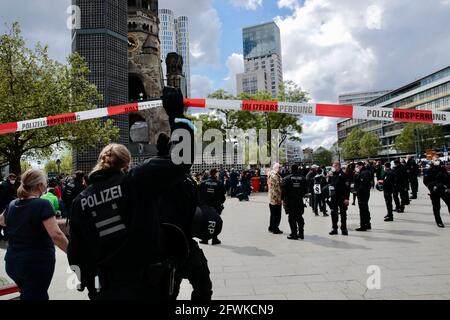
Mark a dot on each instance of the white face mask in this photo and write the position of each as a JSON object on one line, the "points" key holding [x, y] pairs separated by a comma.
{"points": [[333, 169], [357, 170], [437, 162], [12, 181]]}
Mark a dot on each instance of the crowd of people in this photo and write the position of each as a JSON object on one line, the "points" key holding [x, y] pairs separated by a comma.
{"points": [[131, 231], [333, 189]]}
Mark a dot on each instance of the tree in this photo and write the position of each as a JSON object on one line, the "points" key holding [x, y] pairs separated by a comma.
{"points": [[34, 86], [369, 145], [350, 146], [323, 156], [24, 166], [65, 166], [418, 137], [289, 91], [209, 121]]}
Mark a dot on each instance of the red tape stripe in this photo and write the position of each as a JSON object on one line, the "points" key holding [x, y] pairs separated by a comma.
{"points": [[194, 103], [334, 110], [262, 106], [60, 119], [8, 128], [122, 109], [9, 289], [403, 115]]}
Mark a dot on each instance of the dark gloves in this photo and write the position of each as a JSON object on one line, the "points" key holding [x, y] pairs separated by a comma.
{"points": [[173, 103]]}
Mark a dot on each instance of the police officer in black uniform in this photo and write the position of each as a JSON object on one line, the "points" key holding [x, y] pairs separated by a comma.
{"points": [[363, 184], [339, 198], [293, 189], [71, 190], [437, 181], [401, 186], [180, 210], [389, 182], [413, 171], [117, 246], [212, 193]]}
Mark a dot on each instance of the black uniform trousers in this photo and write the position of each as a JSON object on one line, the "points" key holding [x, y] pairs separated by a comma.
{"points": [[196, 270], [436, 202], [363, 204], [319, 203], [275, 217], [295, 217], [396, 198], [414, 184], [388, 197], [338, 207]]}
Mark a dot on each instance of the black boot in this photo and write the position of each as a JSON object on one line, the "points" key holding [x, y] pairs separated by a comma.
{"points": [[361, 229], [333, 232], [344, 232], [292, 237], [440, 225]]}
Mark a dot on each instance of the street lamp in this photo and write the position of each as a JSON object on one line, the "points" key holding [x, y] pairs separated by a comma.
{"points": [[58, 164]]}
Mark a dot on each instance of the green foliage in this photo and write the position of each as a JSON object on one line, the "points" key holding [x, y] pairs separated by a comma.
{"points": [[34, 86], [369, 145], [350, 146], [323, 156], [420, 136], [65, 166], [24, 165]]}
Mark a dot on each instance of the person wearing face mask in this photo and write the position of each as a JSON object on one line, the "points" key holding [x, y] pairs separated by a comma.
{"points": [[319, 198], [389, 181], [401, 187], [437, 180], [275, 201], [363, 184], [339, 199], [33, 233]]}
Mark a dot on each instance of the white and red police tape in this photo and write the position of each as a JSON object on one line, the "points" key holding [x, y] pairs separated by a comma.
{"points": [[306, 109]]}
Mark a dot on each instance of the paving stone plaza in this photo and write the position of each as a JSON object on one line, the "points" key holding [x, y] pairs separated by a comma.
{"points": [[411, 254]]}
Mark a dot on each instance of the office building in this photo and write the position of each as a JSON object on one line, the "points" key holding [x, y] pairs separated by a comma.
{"points": [[102, 41], [174, 37], [263, 69], [431, 92]]}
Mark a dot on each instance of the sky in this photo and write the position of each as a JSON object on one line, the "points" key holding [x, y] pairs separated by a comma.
{"points": [[329, 47]]}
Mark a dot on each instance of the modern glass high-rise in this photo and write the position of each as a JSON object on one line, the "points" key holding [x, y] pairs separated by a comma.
{"points": [[262, 59], [102, 41], [174, 37]]}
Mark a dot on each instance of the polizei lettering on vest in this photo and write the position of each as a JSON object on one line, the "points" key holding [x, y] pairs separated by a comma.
{"points": [[102, 197]]}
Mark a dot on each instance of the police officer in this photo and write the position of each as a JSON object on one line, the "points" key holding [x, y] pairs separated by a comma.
{"points": [[389, 182], [293, 189], [180, 209], [339, 198], [117, 244], [212, 193], [437, 181], [413, 171], [71, 190], [401, 186], [363, 184]]}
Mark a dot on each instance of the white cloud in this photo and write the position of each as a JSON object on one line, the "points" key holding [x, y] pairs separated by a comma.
{"points": [[319, 133], [235, 65], [290, 4], [201, 86], [247, 4], [333, 47]]}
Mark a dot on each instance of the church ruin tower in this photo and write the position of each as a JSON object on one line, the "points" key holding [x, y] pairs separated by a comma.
{"points": [[145, 80]]}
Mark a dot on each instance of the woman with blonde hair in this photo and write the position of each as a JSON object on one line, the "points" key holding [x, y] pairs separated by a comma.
{"points": [[33, 233]]}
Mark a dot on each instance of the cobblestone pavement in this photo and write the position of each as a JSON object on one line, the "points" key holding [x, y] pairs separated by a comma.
{"points": [[412, 255]]}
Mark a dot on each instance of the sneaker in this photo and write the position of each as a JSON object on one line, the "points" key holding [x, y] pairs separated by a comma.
{"points": [[333, 232], [204, 242], [216, 242], [292, 237], [344, 232], [440, 225]]}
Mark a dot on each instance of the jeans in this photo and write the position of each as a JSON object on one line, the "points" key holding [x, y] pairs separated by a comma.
{"points": [[32, 271]]}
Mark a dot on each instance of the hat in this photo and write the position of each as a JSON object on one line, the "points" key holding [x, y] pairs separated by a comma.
{"points": [[207, 223]]}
